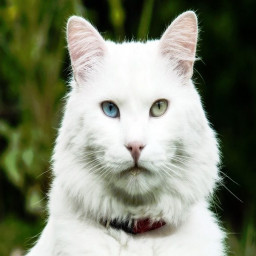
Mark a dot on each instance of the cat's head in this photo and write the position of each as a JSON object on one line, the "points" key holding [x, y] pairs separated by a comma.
{"points": [[134, 130]]}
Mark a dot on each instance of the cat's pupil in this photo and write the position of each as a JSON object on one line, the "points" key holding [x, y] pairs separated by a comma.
{"points": [[110, 107], [159, 105]]}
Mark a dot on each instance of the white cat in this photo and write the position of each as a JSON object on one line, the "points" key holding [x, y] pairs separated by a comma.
{"points": [[136, 161]]}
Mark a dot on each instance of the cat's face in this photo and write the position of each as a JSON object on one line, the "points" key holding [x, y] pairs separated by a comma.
{"points": [[135, 101], [134, 120]]}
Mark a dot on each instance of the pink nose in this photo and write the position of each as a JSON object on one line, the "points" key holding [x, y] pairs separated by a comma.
{"points": [[135, 149]]}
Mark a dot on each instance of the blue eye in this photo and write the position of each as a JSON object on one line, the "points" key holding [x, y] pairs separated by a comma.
{"points": [[110, 109]]}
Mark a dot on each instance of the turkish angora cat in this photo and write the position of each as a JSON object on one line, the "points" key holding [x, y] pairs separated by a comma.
{"points": [[136, 161]]}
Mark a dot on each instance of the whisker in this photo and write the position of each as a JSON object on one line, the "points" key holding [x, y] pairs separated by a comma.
{"points": [[169, 168], [226, 176], [43, 173], [176, 166], [94, 167], [184, 157], [222, 184], [180, 160], [92, 153], [177, 148], [92, 161]]}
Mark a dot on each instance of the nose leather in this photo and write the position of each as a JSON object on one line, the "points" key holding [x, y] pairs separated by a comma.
{"points": [[135, 149]]}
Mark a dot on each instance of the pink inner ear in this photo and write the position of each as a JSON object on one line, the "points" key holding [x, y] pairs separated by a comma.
{"points": [[179, 41], [86, 47]]}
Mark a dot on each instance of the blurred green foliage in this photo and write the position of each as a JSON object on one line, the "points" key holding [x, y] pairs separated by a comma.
{"points": [[34, 66], [32, 54]]}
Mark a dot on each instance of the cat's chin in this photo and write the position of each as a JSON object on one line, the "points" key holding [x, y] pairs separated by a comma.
{"points": [[134, 182]]}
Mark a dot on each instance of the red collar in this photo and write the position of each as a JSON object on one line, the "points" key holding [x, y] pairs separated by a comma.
{"points": [[135, 227]]}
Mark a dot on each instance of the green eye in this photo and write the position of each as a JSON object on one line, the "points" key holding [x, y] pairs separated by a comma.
{"points": [[158, 108]]}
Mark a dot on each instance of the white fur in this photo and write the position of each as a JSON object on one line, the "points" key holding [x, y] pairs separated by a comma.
{"points": [[180, 153]]}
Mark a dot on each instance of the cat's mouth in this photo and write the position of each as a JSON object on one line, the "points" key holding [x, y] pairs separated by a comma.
{"points": [[134, 171]]}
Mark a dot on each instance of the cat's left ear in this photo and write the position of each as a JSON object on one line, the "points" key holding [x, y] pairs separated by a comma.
{"points": [[178, 43]]}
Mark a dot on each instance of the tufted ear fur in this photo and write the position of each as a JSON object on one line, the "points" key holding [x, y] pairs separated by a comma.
{"points": [[86, 47], [178, 43]]}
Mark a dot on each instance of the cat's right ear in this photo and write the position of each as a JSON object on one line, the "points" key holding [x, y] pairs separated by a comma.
{"points": [[86, 48]]}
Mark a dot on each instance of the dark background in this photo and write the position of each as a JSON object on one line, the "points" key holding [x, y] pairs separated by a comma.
{"points": [[34, 66]]}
